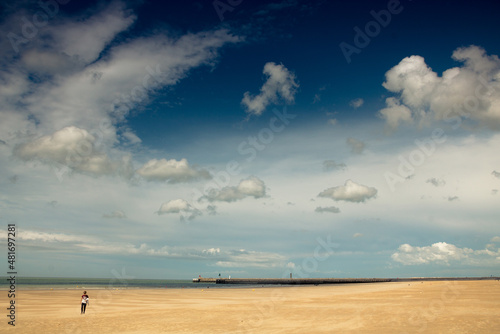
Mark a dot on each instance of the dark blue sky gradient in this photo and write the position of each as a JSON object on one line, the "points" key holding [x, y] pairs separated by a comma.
{"points": [[307, 42]]}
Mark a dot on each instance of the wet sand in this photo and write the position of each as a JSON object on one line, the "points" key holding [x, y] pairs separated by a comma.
{"points": [[400, 307]]}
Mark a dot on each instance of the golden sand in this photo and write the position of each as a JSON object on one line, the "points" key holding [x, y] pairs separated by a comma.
{"points": [[428, 307]]}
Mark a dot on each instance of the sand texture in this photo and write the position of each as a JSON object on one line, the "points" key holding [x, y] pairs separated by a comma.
{"points": [[428, 307]]}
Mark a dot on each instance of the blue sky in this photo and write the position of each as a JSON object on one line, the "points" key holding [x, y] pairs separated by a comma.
{"points": [[251, 138]]}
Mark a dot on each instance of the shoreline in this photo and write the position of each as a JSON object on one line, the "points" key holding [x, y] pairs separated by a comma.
{"points": [[248, 283]]}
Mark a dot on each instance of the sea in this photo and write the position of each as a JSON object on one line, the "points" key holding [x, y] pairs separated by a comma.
{"points": [[44, 283]]}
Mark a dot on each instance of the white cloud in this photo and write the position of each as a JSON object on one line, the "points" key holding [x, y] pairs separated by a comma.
{"points": [[331, 209], [350, 192], [356, 103], [131, 137], [88, 82], [357, 235], [357, 146], [47, 62], [280, 83], [179, 206], [395, 113], [472, 90], [123, 80], [442, 252], [171, 171], [495, 239], [86, 38], [250, 187], [71, 147], [211, 251], [49, 237], [174, 206], [69, 242]]}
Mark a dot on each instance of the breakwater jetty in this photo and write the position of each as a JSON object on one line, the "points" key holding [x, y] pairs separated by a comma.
{"points": [[317, 281]]}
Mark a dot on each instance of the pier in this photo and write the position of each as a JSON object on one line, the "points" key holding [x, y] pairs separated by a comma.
{"points": [[288, 281], [317, 281]]}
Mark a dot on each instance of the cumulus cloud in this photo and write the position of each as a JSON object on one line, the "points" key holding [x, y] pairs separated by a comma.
{"points": [[250, 187], [331, 209], [280, 84], [356, 103], [395, 113], [496, 174], [357, 146], [211, 251], [436, 182], [443, 253], [350, 192], [171, 171], [468, 91], [174, 206], [357, 235], [115, 214], [329, 165], [181, 207], [71, 146], [495, 239]]}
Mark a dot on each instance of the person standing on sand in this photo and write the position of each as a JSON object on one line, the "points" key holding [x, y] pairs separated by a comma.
{"points": [[85, 302]]}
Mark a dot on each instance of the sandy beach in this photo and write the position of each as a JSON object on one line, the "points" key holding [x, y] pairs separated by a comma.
{"points": [[416, 307]]}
